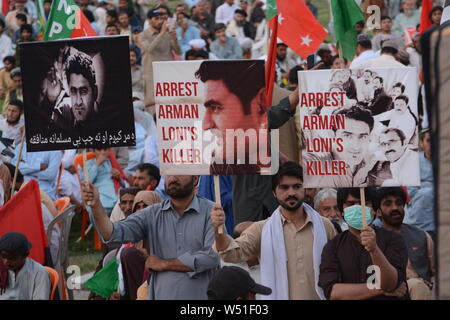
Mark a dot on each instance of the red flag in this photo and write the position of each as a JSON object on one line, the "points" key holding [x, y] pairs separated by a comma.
{"points": [[425, 20], [115, 164], [5, 7], [23, 214], [298, 28]]}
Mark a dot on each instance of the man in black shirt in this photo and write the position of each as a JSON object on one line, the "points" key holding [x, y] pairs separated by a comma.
{"points": [[205, 22], [350, 259]]}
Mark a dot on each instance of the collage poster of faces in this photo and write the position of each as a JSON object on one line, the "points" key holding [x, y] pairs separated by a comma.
{"points": [[77, 94], [360, 127], [212, 117]]}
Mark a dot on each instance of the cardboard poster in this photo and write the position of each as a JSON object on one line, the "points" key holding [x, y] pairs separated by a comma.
{"points": [[212, 117], [77, 94], [360, 127]]}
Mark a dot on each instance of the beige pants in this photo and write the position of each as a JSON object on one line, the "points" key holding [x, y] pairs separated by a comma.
{"points": [[418, 290], [142, 292]]}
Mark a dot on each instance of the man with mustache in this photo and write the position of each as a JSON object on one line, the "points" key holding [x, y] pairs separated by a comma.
{"points": [[181, 261], [420, 268], [403, 161], [288, 244], [82, 110]]}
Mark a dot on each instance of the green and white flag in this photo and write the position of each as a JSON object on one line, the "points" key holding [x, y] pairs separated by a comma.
{"points": [[271, 9], [66, 20]]}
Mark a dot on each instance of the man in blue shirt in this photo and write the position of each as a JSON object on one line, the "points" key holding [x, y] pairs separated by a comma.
{"points": [[420, 210], [225, 47], [41, 166], [181, 260]]}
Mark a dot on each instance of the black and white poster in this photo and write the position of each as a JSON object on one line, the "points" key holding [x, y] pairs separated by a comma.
{"points": [[77, 94], [360, 127]]}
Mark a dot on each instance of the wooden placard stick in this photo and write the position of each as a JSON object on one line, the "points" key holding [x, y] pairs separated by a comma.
{"points": [[217, 193], [22, 140], [86, 173], [363, 206]]}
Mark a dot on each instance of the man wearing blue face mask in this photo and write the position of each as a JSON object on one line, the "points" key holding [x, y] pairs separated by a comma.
{"points": [[363, 263]]}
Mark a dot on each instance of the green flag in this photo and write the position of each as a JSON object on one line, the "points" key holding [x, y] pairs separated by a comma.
{"points": [[67, 21], [346, 14], [271, 9], [106, 281], [41, 19]]}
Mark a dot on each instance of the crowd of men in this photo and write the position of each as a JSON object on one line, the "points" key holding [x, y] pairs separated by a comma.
{"points": [[165, 230]]}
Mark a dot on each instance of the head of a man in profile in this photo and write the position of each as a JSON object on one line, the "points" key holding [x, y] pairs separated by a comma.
{"points": [[235, 105], [83, 89]]}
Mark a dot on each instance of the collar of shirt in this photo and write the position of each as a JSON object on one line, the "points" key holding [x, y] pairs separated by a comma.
{"points": [[194, 205], [285, 221], [388, 57], [153, 31]]}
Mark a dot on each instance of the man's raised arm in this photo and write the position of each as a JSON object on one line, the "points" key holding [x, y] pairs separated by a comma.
{"points": [[90, 196]]}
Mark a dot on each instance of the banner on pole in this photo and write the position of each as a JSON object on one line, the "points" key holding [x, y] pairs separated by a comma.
{"points": [[360, 127], [77, 94], [212, 117]]}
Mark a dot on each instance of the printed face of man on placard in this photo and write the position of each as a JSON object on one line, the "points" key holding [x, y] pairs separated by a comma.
{"points": [[82, 96], [230, 109], [400, 105], [82, 86], [355, 141], [224, 111], [355, 135], [392, 144]]}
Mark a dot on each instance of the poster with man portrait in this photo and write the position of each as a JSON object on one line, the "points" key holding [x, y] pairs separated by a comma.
{"points": [[77, 94], [360, 127], [212, 117]]}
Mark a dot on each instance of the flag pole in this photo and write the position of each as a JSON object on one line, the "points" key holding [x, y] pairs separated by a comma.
{"points": [[16, 170], [271, 61], [217, 194]]}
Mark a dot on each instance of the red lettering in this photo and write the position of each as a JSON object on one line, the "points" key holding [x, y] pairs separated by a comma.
{"points": [[304, 100], [340, 146], [181, 155], [326, 168], [319, 99], [312, 100], [166, 86]]}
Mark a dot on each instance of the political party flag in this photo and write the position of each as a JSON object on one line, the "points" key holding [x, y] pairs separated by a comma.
{"points": [[446, 13], [5, 4], [298, 28], [42, 20], [106, 281], [66, 20], [271, 9], [23, 214], [346, 14], [425, 20]]}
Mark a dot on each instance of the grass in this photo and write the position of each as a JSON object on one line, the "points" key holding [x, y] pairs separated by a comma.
{"points": [[82, 254]]}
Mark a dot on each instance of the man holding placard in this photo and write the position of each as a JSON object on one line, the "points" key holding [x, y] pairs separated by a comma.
{"points": [[295, 233], [363, 262]]}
